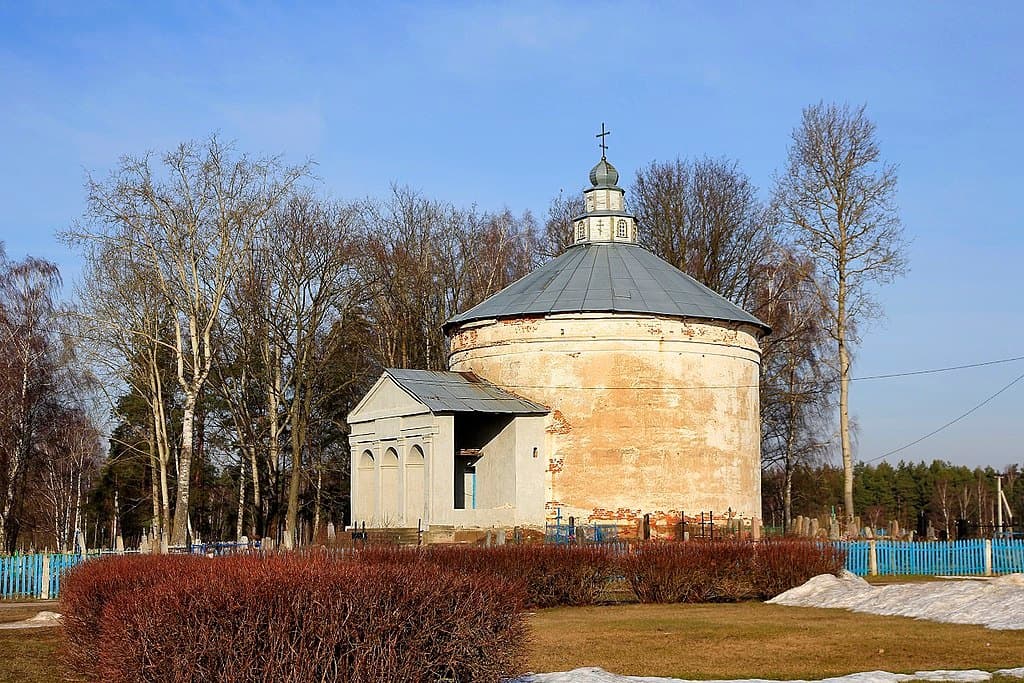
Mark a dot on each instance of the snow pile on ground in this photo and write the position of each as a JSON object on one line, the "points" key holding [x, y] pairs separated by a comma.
{"points": [[995, 603], [40, 620], [595, 675]]}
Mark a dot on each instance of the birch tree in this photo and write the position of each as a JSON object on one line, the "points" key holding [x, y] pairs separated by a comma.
{"points": [[837, 196], [28, 381], [125, 325], [795, 387], [186, 223], [71, 454]]}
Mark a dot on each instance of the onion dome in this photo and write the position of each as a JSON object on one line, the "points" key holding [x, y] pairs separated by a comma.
{"points": [[604, 174]]}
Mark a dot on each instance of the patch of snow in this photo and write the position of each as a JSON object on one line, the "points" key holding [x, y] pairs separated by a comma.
{"points": [[40, 620], [995, 603], [597, 675], [1015, 673]]}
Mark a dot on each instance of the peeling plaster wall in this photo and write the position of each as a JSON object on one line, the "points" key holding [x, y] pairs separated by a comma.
{"points": [[649, 414]]}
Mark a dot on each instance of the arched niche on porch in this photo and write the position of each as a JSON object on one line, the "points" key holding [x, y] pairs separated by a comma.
{"points": [[415, 485], [367, 486], [390, 491]]}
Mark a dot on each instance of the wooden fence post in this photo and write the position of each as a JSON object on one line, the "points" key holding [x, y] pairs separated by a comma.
{"points": [[44, 590], [872, 558]]}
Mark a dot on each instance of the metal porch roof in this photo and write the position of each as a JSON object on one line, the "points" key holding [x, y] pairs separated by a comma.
{"points": [[461, 392]]}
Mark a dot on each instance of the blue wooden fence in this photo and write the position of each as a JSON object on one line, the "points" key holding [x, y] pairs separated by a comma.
{"points": [[969, 557], [857, 557], [1007, 555], [23, 576], [955, 558]]}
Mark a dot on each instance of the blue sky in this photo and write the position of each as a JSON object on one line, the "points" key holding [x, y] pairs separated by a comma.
{"points": [[497, 104]]}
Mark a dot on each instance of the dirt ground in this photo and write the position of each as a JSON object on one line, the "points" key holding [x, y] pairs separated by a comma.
{"points": [[755, 640], [29, 656]]}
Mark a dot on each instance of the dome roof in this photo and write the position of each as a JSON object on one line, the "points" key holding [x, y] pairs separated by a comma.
{"points": [[607, 277], [603, 174]]}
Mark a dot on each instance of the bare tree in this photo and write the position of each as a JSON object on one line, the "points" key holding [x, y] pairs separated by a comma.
{"points": [[837, 197], [427, 260], [71, 454], [795, 388], [248, 376], [317, 245], [704, 217], [28, 376], [186, 225], [124, 325], [557, 235]]}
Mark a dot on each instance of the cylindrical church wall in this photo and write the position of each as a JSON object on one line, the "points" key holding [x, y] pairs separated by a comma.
{"points": [[648, 414]]}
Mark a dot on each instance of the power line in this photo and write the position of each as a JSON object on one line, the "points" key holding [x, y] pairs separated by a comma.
{"points": [[865, 378], [948, 424], [935, 370]]}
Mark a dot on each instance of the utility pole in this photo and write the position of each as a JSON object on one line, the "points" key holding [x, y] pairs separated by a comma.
{"points": [[999, 504]]}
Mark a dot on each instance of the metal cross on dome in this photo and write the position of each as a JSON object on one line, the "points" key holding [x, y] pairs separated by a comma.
{"points": [[603, 145]]}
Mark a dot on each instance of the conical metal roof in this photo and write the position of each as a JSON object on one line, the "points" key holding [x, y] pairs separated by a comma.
{"points": [[607, 277]]}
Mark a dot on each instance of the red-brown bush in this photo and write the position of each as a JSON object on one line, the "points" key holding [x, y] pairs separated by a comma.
{"points": [[311, 618], [545, 575], [787, 563], [724, 571], [88, 588]]}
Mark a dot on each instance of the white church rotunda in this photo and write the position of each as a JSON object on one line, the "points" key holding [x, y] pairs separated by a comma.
{"points": [[638, 390]]}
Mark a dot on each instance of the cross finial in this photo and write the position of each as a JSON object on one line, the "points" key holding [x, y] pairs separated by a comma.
{"points": [[603, 145]]}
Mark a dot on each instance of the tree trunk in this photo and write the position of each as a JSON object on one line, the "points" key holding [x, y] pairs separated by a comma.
{"points": [[241, 498], [154, 485], [188, 417], [316, 504], [257, 503], [844, 405], [273, 356], [298, 430], [787, 495]]}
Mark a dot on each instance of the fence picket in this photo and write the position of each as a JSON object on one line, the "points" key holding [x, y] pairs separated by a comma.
{"points": [[931, 558]]}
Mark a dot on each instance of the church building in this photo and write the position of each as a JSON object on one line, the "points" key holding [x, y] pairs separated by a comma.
{"points": [[606, 385]]}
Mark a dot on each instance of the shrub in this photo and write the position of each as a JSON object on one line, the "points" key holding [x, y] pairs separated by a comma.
{"points": [[311, 618], [787, 563], [88, 588], [694, 571], [724, 571], [545, 575]]}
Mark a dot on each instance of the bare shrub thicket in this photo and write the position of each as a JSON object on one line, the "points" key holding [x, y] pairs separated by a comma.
{"points": [[545, 575], [290, 618], [725, 571]]}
